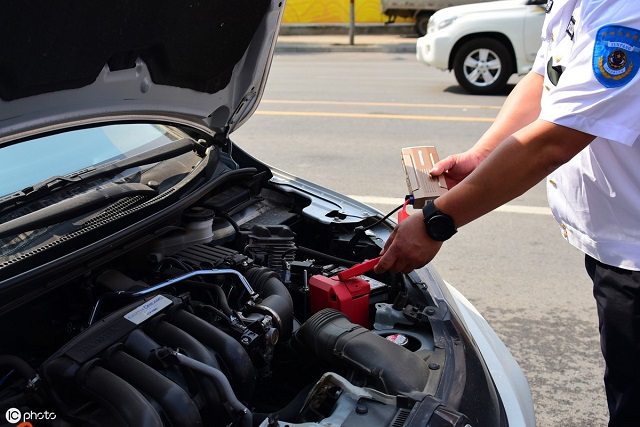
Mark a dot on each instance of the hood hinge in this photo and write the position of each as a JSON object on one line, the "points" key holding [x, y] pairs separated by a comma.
{"points": [[222, 140]]}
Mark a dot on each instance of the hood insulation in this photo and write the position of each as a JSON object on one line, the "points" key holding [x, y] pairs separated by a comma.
{"points": [[49, 46]]}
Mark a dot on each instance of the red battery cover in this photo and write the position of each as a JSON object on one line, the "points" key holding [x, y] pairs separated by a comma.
{"points": [[350, 296]]}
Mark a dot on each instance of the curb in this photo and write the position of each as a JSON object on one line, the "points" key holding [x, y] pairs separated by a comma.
{"points": [[293, 47], [387, 38], [338, 29]]}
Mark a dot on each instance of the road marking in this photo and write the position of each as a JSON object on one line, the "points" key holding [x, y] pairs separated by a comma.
{"points": [[391, 201], [373, 116], [378, 104], [532, 210]]}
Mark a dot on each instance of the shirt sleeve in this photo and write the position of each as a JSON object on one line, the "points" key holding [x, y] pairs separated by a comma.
{"points": [[538, 64], [586, 97]]}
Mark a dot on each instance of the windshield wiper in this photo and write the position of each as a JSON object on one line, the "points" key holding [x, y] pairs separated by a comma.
{"points": [[73, 206], [164, 152]]}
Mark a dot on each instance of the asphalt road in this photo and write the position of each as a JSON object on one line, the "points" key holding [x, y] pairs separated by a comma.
{"points": [[340, 119]]}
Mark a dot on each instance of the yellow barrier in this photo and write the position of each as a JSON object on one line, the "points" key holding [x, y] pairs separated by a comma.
{"points": [[333, 12]]}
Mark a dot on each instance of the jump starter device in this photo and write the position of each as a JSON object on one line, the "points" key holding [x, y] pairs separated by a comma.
{"points": [[417, 161]]}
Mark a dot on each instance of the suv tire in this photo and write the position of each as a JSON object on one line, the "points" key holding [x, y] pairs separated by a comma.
{"points": [[422, 21], [483, 66]]}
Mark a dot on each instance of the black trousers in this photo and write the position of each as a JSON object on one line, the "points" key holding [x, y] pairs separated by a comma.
{"points": [[617, 294]]}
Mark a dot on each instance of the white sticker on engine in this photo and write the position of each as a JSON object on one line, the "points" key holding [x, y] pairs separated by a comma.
{"points": [[148, 309]]}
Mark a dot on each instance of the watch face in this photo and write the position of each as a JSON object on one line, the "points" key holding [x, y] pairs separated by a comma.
{"points": [[440, 228]]}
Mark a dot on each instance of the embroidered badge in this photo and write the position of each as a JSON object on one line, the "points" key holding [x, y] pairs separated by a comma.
{"points": [[616, 55]]}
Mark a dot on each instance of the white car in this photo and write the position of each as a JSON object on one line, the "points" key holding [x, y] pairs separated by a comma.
{"points": [[484, 43]]}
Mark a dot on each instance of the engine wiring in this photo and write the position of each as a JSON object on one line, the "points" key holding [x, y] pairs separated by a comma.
{"points": [[359, 232]]}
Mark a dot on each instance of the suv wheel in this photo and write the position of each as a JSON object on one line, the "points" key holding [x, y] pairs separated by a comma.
{"points": [[483, 66]]}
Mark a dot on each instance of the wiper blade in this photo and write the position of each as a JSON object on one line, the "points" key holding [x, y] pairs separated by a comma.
{"points": [[72, 207], [164, 152]]}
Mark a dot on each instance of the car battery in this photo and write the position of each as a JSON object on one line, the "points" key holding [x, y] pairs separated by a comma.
{"points": [[345, 292], [350, 296]]}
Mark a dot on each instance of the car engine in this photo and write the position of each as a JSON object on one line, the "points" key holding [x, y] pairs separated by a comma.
{"points": [[221, 321]]}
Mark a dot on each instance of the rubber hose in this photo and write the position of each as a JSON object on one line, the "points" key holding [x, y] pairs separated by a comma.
{"points": [[174, 337], [278, 299], [223, 302], [224, 387], [334, 338], [19, 365]]}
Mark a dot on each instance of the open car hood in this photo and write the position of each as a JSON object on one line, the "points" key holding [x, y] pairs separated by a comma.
{"points": [[202, 63]]}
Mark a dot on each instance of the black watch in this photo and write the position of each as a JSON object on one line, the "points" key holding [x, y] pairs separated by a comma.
{"points": [[440, 226]]}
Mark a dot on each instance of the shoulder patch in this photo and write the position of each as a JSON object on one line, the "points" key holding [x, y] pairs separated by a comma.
{"points": [[616, 55]]}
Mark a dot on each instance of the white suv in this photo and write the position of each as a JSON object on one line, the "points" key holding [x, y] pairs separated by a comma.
{"points": [[484, 43]]}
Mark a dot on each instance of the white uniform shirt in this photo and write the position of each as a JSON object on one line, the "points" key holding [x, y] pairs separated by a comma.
{"points": [[595, 197]]}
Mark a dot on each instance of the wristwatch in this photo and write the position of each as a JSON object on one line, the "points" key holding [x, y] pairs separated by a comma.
{"points": [[440, 226]]}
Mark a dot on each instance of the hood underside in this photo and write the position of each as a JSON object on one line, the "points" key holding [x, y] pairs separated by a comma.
{"points": [[69, 62]]}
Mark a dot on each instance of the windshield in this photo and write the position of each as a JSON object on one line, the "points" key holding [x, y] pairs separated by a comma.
{"points": [[35, 160]]}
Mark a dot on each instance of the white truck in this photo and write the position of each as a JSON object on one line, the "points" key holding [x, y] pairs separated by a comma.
{"points": [[419, 10]]}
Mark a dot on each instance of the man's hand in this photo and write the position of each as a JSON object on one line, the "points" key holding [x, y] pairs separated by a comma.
{"points": [[409, 247], [456, 167]]}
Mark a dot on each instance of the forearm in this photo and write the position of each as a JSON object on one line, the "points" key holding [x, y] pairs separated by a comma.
{"points": [[521, 108], [516, 165]]}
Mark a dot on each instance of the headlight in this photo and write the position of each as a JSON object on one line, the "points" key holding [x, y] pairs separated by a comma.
{"points": [[438, 24], [430, 25]]}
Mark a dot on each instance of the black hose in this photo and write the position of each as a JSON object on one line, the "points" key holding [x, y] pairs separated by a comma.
{"points": [[174, 337], [19, 365], [335, 339], [201, 307], [223, 386], [275, 297], [230, 220], [223, 303]]}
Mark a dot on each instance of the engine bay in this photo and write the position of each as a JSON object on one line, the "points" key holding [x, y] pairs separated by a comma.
{"points": [[229, 314]]}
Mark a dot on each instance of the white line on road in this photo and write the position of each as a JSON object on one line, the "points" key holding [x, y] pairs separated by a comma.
{"points": [[373, 116], [530, 210], [379, 104]]}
